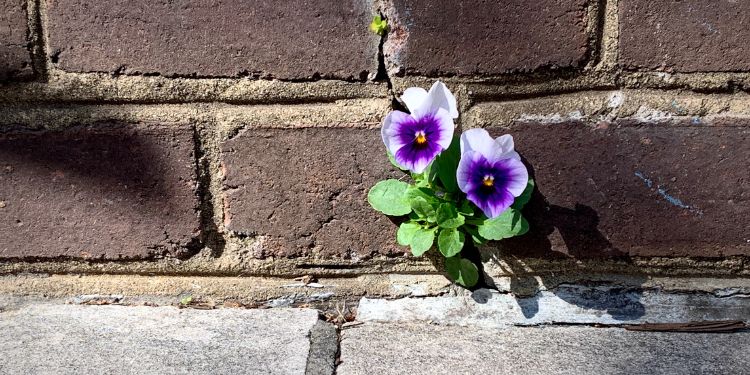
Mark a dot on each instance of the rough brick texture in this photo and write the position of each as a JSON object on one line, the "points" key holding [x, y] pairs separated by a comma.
{"points": [[15, 60], [281, 39], [305, 191], [685, 36], [111, 191], [487, 37], [630, 189]]}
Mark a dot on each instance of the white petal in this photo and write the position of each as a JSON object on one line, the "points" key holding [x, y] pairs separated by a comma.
{"points": [[390, 129], [507, 151], [438, 97], [447, 127], [479, 140], [413, 97]]}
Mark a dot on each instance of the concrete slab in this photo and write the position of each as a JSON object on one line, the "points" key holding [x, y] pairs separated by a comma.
{"points": [[419, 348], [572, 304], [69, 339]]}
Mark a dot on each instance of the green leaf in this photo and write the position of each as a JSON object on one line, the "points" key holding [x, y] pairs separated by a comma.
{"points": [[524, 198], [432, 172], [423, 208], [424, 192], [469, 273], [424, 179], [466, 209], [389, 197], [379, 25], [446, 165], [509, 224], [422, 241], [462, 271], [453, 267], [450, 242], [406, 232], [423, 201], [448, 216], [474, 233]]}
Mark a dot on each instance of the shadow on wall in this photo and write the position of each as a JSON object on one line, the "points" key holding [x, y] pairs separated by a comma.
{"points": [[577, 229], [96, 189], [14, 63]]}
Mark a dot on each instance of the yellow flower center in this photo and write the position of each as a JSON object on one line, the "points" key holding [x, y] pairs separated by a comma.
{"points": [[488, 181], [421, 139]]}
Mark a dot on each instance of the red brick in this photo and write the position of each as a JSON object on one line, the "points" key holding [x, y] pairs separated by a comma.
{"points": [[15, 59], [685, 36], [305, 191], [680, 189], [281, 39], [487, 37], [104, 192]]}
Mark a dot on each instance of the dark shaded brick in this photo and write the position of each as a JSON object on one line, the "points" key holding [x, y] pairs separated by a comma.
{"points": [[305, 190], [15, 59], [281, 39], [106, 192], [487, 37], [630, 189], [685, 36]]}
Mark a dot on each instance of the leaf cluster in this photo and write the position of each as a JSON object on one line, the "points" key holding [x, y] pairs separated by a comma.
{"points": [[437, 212]]}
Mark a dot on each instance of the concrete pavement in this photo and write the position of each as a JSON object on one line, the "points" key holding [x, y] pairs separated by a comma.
{"points": [[423, 348]]}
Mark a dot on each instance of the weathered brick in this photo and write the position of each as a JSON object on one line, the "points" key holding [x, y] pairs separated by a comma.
{"points": [[15, 59], [685, 36], [681, 189], [305, 191], [487, 37], [281, 39], [108, 191]]}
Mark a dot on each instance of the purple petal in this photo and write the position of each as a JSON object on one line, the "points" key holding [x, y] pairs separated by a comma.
{"points": [[392, 127], [516, 174], [507, 177], [447, 127], [416, 141]]}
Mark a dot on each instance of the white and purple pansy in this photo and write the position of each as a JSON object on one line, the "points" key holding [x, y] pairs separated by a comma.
{"points": [[415, 139], [490, 171]]}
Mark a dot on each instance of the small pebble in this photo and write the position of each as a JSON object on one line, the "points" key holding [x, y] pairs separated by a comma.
{"points": [[2, 204]]}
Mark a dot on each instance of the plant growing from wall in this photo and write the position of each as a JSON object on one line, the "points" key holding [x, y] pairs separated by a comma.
{"points": [[467, 188]]}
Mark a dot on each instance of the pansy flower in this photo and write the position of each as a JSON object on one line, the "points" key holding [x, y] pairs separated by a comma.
{"points": [[416, 139], [490, 171]]}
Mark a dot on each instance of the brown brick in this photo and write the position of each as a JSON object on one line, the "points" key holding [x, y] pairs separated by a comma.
{"points": [[105, 192], [281, 39], [305, 190], [15, 60], [685, 36], [623, 189], [487, 37]]}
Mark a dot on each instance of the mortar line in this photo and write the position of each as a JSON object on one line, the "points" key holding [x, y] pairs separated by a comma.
{"points": [[38, 23], [594, 30]]}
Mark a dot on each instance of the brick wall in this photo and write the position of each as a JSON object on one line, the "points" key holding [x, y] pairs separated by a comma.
{"points": [[237, 138]]}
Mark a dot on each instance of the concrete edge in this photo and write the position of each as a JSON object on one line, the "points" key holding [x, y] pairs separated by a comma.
{"points": [[582, 304]]}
